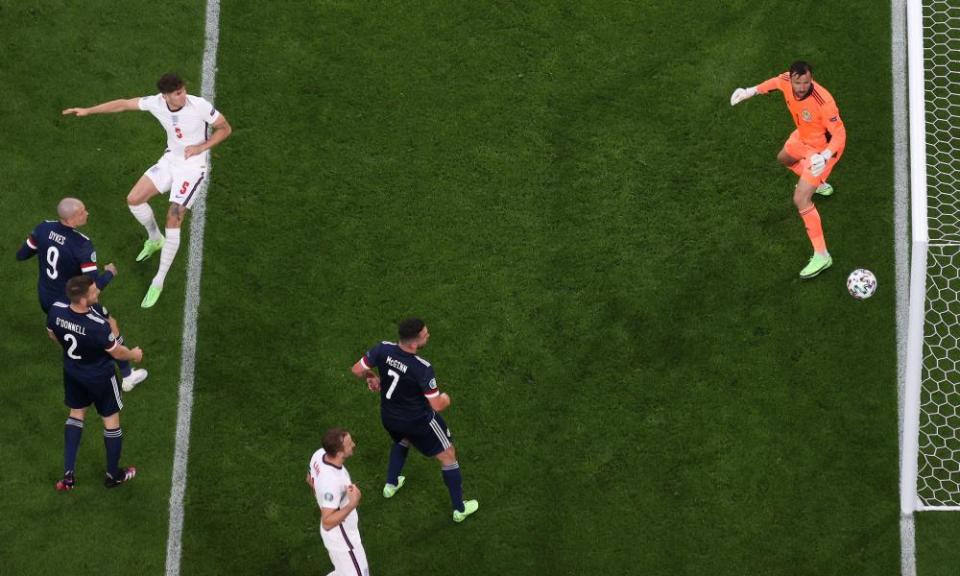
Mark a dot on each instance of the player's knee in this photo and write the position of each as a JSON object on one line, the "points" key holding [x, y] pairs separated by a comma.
{"points": [[142, 191], [175, 215], [448, 456], [802, 197]]}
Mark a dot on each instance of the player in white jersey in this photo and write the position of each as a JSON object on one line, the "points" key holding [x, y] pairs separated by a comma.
{"points": [[338, 499], [180, 171]]}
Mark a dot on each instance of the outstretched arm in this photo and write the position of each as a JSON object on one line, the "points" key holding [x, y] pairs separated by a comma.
{"points": [[741, 94], [111, 107]]}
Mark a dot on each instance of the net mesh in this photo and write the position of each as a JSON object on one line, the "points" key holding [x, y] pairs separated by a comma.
{"points": [[941, 54], [938, 482]]}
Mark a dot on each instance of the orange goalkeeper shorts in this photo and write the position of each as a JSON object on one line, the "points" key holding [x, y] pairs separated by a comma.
{"points": [[798, 149]]}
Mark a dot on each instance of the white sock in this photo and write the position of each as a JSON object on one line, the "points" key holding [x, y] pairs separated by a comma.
{"points": [[144, 215], [167, 254]]}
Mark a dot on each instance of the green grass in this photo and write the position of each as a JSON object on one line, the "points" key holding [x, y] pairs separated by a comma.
{"points": [[606, 254], [57, 56]]}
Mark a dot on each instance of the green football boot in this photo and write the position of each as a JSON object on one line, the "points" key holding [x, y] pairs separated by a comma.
{"points": [[824, 189], [818, 263], [389, 489], [150, 247], [153, 294], [469, 507]]}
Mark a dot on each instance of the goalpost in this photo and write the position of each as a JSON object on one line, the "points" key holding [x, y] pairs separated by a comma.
{"points": [[930, 462]]}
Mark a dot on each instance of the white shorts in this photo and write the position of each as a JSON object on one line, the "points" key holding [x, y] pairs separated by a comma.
{"points": [[349, 563], [181, 179]]}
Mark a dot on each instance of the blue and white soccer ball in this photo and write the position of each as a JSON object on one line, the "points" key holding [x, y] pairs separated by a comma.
{"points": [[861, 284]]}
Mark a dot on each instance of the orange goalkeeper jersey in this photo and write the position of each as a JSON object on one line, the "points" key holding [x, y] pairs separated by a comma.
{"points": [[816, 116]]}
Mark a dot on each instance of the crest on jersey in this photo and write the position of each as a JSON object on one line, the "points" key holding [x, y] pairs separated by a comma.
{"points": [[93, 257], [806, 115], [433, 384], [327, 497], [111, 337]]}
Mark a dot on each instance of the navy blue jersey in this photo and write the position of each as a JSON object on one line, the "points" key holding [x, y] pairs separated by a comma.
{"points": [[406, 381], [62, 254], [86, 340]]}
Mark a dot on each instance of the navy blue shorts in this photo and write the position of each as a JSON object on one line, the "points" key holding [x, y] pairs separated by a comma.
{"points": [[430, 438], [105, 395]]}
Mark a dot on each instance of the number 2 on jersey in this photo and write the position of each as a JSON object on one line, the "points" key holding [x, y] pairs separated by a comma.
{"points": [[73, 345], [396, 378]]}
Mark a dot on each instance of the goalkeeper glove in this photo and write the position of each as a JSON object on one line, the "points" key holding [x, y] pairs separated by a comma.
{"points": [[819, 161], [741, 94]]}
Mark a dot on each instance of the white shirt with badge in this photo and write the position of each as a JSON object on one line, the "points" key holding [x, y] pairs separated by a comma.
{"points": [[330, 487], [185, 127]]}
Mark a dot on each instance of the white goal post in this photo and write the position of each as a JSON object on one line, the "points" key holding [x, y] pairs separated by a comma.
{"points": [[930, 462]]}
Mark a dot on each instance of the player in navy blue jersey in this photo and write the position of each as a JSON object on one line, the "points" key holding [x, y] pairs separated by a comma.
{"points": [[89, 347], [409, 404], [64, 253]]}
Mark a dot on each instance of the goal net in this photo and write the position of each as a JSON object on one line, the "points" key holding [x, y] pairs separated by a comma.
{"points": [[930, 478], [938, 474]]}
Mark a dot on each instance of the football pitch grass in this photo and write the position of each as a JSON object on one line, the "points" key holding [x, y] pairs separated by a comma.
{"points": [[604, 250]]}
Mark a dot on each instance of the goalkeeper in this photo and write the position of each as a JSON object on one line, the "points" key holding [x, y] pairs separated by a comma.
{"points": [[811, 151]]}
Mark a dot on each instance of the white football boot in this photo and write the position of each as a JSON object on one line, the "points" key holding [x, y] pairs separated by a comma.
{"points": [[137, 375]]}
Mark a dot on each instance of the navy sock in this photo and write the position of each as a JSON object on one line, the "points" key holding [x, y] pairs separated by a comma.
{"points": [[398, 456], [72, 431], [454, 482], [112, 441], [125, 368], [123, 365]]}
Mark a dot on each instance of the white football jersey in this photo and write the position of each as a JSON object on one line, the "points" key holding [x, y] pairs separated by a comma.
{"points": [[330, 487], [185, 127]]}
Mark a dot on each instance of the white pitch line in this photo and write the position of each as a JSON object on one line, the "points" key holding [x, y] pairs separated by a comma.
{"points": [[901, 218], [178, 482]]}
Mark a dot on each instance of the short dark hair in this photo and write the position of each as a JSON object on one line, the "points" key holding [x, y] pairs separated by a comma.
{"points": [[169, 82], [800, 67], [410, 329], [333, 440], [78, 286]]}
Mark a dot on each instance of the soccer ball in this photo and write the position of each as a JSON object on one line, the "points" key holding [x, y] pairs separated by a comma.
{"points": [[861, 284]]}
